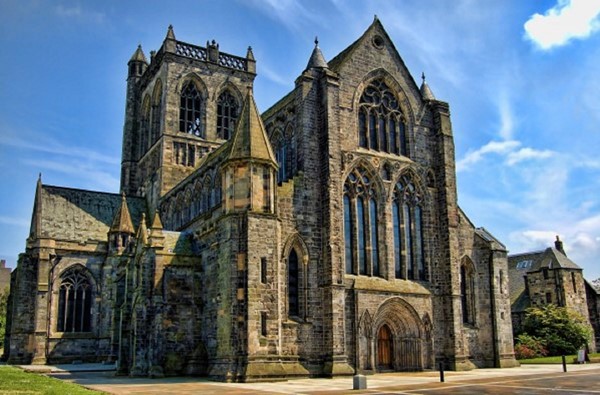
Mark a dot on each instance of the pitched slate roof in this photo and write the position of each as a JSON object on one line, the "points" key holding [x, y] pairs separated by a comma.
{"points": [[521, 264], [80, 215]]}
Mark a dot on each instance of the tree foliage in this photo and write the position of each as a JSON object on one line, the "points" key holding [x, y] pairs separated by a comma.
{"points": [[561, 331], [3, 305]]}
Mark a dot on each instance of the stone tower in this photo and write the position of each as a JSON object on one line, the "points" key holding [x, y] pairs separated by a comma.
{"points": [[160, 148]]}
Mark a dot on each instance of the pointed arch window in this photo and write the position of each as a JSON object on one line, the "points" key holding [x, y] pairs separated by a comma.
{"points": [[467, 287], [381, 124], [145, 127], [227, 114], [190, 114], [407, 224], [293, 284], [74, 301], [156, 115], [281, 156], [360, 224]]}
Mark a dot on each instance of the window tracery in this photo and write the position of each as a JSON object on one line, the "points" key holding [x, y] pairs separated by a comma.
{"points": [[381, 124], [190, 114], [74, 301], [360, 224], [227, 113], [407, 215]]}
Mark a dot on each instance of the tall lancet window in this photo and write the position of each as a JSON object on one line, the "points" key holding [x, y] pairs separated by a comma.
{"points": [[190, 110], [407, 224], [144, 127], [381, 124], [74, 301], [227, 113], [361, 224], [156, 114], [293, 284]]}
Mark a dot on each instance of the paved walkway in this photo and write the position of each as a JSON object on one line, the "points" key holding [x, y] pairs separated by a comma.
{"points": [[527, 379]]}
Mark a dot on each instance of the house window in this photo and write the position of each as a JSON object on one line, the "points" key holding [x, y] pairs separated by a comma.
{"points": [[190, 110], [574, 282], [381, 124], [548, 297], [74, 301], [227, 113], [360, 224], [407, 223]]}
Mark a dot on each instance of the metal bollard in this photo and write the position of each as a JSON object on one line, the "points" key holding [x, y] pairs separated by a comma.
{"points": [[359, 382], [564, 362], [441, 372]]}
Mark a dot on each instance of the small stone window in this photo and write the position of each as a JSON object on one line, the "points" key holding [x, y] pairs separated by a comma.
{"points": [[378, 42], [263, 323], [263, 270]]}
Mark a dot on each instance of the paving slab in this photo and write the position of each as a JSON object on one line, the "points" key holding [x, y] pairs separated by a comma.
{"points": [[527, 379]]}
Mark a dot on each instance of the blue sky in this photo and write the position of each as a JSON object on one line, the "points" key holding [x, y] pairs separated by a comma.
{"points": [[521, 77]]}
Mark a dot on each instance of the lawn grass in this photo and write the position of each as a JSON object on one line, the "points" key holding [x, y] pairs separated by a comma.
{"points": [[553, 360], [15, 381]]}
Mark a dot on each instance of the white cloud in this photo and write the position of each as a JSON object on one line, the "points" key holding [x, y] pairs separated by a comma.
{"points": [[14, 221], [567, 20], [527, 153], [493, 147], [46, 144], [91, 176], [506, 118], [78, 13], [291, 13]]}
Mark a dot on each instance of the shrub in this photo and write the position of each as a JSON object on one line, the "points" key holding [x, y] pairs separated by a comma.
{"points": [[528, 347]]}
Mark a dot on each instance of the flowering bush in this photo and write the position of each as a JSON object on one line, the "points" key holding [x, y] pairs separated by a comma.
{"points": [[528, 347]]}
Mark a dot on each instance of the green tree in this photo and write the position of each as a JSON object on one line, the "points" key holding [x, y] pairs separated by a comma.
{"points": [[561, 330], [3, 305]]}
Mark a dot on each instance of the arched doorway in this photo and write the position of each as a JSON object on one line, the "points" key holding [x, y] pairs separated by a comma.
{"points": [[400, 337], [385, 348]]}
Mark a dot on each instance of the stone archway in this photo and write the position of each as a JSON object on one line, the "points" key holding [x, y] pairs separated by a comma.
{"points": [[400, 337]]}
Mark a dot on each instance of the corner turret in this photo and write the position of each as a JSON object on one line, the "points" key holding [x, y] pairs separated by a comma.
{"points": [[426, 92], [317, 60], [250, 165], [121, 230], [137, 64]]}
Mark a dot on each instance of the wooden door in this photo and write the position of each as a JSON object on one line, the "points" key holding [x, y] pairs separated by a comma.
{"points": [[384, 348]]}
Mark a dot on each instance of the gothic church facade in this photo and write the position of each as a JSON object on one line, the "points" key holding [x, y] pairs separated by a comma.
{"points": [[322, 238]]}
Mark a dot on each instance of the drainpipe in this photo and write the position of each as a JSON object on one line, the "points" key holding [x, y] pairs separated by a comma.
{"points": [[493, 311]]}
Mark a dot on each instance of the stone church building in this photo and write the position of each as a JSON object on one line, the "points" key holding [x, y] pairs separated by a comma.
{"points": [[320, 238]]}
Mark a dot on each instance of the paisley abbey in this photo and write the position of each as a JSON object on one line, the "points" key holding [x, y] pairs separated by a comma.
{"points": [[319, 238]]}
